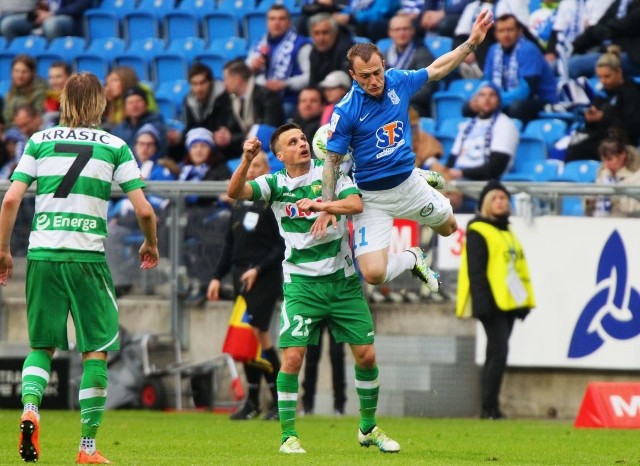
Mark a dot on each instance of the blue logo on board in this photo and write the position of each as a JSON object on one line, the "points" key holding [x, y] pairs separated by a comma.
{"points": [[614, 310]]}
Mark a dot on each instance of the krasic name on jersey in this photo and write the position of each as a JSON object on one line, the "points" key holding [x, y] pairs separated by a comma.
{"points": [[78, 135]]}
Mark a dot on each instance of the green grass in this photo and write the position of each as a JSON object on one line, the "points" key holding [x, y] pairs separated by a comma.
{"points": [[154, 438]]}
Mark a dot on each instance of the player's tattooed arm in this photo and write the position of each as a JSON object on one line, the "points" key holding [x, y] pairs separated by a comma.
{"points": [[330, 175]]}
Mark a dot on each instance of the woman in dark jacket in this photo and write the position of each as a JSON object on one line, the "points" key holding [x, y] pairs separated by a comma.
{"points": [[493, 286]]}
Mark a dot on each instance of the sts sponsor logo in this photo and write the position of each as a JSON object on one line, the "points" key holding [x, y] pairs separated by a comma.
{"points": [[389, 137]]}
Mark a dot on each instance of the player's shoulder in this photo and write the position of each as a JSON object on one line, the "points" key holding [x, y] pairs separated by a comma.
{"points": [[351, 101]]}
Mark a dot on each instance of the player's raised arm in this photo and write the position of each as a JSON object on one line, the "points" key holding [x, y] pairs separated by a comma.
{"points": [[238, 187], [330, 175], [449, 61]]}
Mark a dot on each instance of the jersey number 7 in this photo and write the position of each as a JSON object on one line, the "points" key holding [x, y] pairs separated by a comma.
{"points": [[84, 155]]}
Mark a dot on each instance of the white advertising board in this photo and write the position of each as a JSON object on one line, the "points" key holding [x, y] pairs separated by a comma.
{"points": [[586, 279]]}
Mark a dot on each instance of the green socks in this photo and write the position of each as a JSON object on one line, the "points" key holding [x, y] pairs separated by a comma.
{"points": [[287, 402], [367, 388], [35, 376], [92, 396]]}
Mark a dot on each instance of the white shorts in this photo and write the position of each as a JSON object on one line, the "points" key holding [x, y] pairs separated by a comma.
{"points": [[413, 199]]}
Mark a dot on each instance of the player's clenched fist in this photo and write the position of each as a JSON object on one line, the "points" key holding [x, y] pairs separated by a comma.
{"points": [[251, 148]]}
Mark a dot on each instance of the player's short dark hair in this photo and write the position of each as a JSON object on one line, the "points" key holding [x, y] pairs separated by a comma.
{"points": [[364, 51], [273, 142]]}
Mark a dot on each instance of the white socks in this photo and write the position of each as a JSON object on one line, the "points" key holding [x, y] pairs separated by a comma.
{"points": [[398, 263]]}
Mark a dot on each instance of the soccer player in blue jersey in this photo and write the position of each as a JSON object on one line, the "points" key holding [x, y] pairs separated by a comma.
{"points": [[373, 121]]}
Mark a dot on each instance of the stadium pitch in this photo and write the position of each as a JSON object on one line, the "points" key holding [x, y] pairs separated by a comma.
{"points": [[198, 438]]}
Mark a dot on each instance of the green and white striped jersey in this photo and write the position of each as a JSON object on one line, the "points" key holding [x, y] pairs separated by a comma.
{"points": [[307, 258], [74, 169]]}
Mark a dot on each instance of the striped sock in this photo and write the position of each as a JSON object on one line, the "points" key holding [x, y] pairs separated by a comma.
{"points": [[287, 403], [35, 376], [367, 388], [92, 396]]}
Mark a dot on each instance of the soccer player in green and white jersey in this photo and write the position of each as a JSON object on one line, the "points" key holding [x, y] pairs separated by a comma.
{"points": [[74, 166], [320, 280]]}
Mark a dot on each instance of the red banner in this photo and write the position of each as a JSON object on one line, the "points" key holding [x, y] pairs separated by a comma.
{"points": [[610, 404]]}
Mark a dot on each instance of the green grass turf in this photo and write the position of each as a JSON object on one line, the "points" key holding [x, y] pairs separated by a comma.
{"points": [[155, 438]]}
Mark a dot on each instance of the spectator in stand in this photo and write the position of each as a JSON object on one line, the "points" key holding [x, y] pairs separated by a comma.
{"points": [[26, 87], [518, 68], [27, 120], [55, 18], [136, 115], [493, 287], [620, 166], [122, 219], [254, 251], [618, 26], [474, 63], [438, 16], [202, 108], [207, 216], [310, 106], [12, 10], [484, 148], [280, 60], [616, 107], [315, 7], [117, 82], [368, 18], [331, 42], [334, 86], [573, 17], [407, 53], [250, 104], [541, 21], [59, 73]]}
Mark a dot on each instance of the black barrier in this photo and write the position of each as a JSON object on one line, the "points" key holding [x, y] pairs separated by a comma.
{"points": [[56, 395]]}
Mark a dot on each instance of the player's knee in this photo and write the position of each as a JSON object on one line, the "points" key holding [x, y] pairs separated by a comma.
{"points": [[291, 362], [373, 275], [366, 357]]}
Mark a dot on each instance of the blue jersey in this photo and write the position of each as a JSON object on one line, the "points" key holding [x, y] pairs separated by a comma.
{"points": [[377, 129]]}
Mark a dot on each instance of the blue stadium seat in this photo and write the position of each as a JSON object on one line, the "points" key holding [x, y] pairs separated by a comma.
{"points": [[237, 7], [32, 45], [6, 59], [118, 7], [5, 85], [140, 25], [384, 44], [548, 129], [168, 67], [176, 90], [232, 47], [188, 47], [464, 87], [447, 105], [579, 171], [95, 63], [159, 7], [166, 107], [180, 25], [138, 62], [572, 206], [108, 47], [3, 43], [438, 45], [149, 47], [215, 61], [361, 40], [220, 25], [530, 149], [447, 145], [262, 132], [428, 125], [199, 8], [232, 164], [44, 61], [69, 47], [100, 23], [543, 170], [451, 126], [255, 26], [292, 5]]}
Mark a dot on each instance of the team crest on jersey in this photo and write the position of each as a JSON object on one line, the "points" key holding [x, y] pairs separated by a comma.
{"points": [[316, 189], [395, 100]]}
